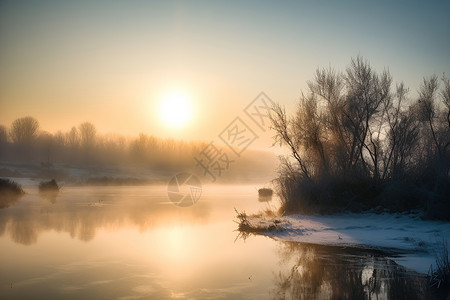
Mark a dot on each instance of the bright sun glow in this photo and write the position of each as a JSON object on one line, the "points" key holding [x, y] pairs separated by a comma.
{"points": [[175, 108]]}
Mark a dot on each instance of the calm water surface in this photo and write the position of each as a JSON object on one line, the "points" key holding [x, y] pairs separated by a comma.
{"points": [[131, 243]]}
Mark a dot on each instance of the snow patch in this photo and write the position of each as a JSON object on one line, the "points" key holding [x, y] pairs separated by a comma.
{"points": [[415, 240]]}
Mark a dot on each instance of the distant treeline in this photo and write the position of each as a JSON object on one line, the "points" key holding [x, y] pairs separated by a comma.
{"points": [[358, 141], [24, 141], [82, 145]]}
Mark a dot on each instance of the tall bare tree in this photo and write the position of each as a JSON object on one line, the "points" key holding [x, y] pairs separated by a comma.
{"points": [[87, 134], [3, 134], [72, 138], [353, 130], [24, 130]]}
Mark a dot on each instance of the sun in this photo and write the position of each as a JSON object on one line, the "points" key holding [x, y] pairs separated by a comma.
{"points": [[176, 108]]}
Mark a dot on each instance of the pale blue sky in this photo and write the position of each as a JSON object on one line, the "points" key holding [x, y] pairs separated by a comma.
{"points": [[65, 62]]}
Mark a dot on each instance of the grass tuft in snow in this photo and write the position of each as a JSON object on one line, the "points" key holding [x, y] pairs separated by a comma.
{"points": [[262, 222], [440, 276]]}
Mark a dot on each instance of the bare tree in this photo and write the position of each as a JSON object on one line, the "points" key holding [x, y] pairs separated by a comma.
{"points": [[328, 87], [3, 142], [72, 138], [353, 131], [427, 94], [59, 139], [284, 136], [24, 130], [366, 91], [445, 93], [87, 134], [3, 135], [46, 142]]}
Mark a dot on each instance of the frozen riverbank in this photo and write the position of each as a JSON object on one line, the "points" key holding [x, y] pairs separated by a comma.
{"points": [[413, 239]]}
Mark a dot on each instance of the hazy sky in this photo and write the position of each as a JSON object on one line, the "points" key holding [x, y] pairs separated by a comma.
{"points": [[111, 62]]}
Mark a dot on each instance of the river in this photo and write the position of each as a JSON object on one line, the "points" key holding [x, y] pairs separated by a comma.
{"points": [[133, 243]]}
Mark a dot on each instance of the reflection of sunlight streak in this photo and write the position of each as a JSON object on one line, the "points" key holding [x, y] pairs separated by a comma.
{"points": [[177, 244], [183, 188], [180, 247]]}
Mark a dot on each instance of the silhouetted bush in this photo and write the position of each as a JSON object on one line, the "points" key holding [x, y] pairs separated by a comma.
{"points": [[50, 185], [10, 191], [9, 186]]}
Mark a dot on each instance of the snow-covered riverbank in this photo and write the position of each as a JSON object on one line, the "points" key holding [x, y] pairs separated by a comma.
{"points": [[415, 239]]}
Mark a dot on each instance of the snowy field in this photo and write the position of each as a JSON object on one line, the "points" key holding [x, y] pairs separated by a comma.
{"points": [[414, 242]]}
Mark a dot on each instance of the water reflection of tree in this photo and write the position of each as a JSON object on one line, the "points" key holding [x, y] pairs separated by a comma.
{"points": [[50, 196], [82, 219], [319, 272], [8, 200]]}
